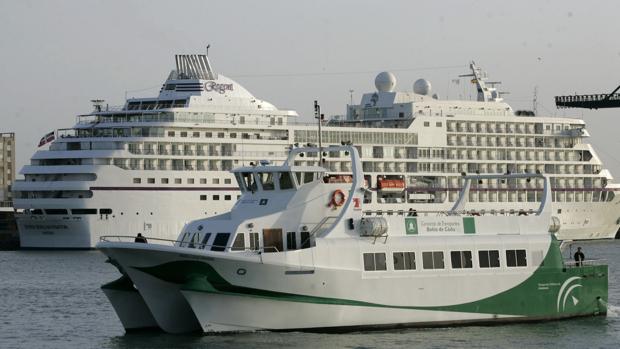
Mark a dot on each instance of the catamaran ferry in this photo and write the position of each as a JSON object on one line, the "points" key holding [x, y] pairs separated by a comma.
{"points": [[301, 251], [153, 164]]}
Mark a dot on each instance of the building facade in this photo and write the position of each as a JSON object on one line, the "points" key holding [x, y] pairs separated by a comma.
{"points": [[7, 167]]}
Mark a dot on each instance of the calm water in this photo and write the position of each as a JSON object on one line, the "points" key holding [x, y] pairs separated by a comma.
{"points": [[53, 300]]}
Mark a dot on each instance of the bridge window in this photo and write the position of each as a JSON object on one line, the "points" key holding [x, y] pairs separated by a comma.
{"points": [[239, 243], [266, 180], [204, 241], [220, 242], [285, 180]]}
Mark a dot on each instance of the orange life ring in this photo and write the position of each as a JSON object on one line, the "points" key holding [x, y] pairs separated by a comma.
{"points": [[338, 198]]}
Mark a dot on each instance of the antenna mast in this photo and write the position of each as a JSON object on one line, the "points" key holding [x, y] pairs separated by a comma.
{"points": [[535, 101], [319, 117]]}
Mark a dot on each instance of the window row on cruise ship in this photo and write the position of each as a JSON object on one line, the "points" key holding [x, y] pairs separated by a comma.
{"points": [[188, 117], [512, 141], [513, 127], [406, 260]]}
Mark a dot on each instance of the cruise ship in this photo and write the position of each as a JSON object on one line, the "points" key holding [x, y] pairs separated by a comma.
{"points": [[153, 164]]}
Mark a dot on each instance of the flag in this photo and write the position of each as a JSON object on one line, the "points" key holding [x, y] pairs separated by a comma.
{"points": [[47, 138]]}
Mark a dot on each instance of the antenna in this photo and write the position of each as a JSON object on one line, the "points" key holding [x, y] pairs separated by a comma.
{"points": [[319, 117], [351, 93], [535, 101], [208, 45]]}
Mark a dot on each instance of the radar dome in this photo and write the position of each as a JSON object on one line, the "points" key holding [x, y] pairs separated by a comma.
{"points": [[422, 87], [385, 82]]}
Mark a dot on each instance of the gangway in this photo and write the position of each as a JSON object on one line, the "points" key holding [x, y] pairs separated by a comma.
{"points": [[594, 101]]}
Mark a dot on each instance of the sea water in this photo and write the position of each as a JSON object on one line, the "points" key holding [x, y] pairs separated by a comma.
{"points": [[53, 300]]}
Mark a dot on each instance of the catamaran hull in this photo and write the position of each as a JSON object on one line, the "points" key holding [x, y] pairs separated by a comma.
{"points": [[189, 289], [129, 305], [163, 299]]}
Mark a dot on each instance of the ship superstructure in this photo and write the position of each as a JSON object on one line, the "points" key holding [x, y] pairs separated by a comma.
{"points": [[153, 164]]}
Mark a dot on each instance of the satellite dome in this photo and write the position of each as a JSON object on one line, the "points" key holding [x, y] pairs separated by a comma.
{"points": [[385, 82], [422, 87]]}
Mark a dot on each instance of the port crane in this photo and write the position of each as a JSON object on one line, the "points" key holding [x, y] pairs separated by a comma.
{"points": [[591, 101]]}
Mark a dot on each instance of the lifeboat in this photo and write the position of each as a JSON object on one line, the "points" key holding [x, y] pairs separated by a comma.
{"points": [[391, 185]]}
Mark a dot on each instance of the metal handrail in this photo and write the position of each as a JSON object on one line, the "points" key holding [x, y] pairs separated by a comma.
{"points": [[184, 244], [586, 262]]}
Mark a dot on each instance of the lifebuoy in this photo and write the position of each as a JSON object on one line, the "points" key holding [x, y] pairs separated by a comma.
{"points": [[338, 198]]}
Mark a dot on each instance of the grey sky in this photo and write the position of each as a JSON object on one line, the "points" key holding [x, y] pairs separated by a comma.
{"points": [[57, 55]]}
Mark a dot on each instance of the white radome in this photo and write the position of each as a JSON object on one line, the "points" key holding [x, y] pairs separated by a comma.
{"points": [[422, 87], [385, 82]]}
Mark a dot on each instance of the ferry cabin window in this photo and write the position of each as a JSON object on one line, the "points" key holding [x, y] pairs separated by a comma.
{"points": [[164, 181], [177, 181], [254, 246], [374, 262], [150, 180], [220, 242], [203, 197], [204, 241], [227, 197], [227, 181], [239, 243], [432, 260], [84, 211], [291, 240], [285, 181], [266, 180], [461, 259], [404, 260], [488, 258], [105, 211], [305, 239], [137, 180], [516, 258], [55, 211], [216, 197]]}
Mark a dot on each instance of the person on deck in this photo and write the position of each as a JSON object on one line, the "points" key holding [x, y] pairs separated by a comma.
{"points": [[140, 238], [579, 257]]}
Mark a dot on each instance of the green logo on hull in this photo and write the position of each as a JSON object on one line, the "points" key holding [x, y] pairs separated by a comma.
{"points": [[411, 226]]}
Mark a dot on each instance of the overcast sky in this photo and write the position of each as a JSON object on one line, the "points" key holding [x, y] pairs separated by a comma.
{"points": [[57, 55]]}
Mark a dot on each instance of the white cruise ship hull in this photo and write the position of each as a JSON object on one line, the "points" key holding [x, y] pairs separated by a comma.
{"points": [[578, 222]]}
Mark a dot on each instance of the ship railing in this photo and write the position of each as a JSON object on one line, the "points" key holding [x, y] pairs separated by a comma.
{"points": [[587, 262], [473, 213], [187, 244]]}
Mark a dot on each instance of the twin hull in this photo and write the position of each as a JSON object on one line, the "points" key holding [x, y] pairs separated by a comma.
{"points": [[188, 289]]}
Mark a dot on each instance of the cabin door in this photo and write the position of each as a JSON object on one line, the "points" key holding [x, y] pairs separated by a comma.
{"points": [[272, 240]]}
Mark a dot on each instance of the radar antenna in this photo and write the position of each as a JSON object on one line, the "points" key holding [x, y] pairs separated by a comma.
{"points": [[485, 93]]}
